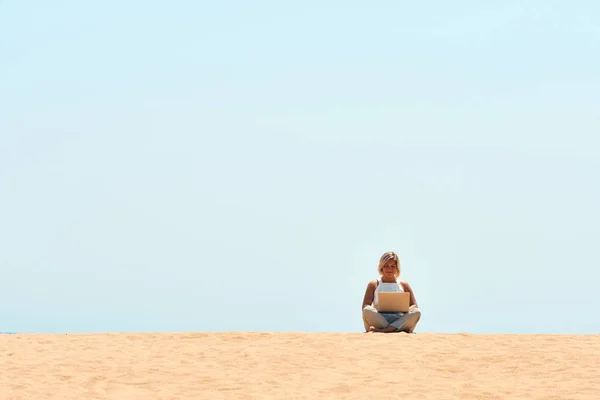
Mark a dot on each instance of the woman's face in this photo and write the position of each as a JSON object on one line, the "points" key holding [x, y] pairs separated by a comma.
{"points": [[389, 269]]}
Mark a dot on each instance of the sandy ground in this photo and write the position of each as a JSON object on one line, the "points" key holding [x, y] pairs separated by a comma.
{"points": [[239, 365]]}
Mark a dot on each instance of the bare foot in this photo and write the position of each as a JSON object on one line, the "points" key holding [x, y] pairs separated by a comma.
{"points": [[384, 330]]}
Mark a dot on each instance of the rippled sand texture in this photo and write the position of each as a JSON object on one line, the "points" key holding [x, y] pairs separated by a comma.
{"points": [[241, 365]]}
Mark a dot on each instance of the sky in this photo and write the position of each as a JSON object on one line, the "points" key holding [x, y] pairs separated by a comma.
{"points": [[241, 166]]}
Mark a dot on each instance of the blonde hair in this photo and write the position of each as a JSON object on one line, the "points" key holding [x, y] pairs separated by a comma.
{"points": [[389, 255]]}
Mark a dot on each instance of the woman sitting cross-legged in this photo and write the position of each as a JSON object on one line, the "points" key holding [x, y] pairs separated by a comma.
{"points": [[375, 321]]}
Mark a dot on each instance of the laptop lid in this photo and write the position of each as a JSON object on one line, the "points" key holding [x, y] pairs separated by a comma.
{"points": [[393, 301]]}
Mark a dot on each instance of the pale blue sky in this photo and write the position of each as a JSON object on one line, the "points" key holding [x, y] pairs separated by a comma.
{"points": [[215, 166]]}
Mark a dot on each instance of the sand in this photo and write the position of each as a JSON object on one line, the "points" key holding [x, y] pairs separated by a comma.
{"points": [[240, 365]]}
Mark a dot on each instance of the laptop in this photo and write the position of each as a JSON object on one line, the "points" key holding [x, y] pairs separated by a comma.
{"points": [[393, 301]]}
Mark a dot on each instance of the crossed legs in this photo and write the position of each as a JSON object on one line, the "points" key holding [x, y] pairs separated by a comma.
{"points": [[374, 321]]}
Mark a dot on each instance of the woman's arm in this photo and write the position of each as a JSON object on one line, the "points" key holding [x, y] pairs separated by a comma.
{"points": [[369, 294], [413, 299]]}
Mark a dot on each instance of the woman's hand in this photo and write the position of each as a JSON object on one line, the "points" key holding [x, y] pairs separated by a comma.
{"points": [[413, 300]]}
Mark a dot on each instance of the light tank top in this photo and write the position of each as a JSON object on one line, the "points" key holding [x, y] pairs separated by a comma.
{"points": [[386, 287]]}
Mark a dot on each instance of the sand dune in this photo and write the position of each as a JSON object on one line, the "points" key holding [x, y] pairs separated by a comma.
{"points": [[240, 365]]}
